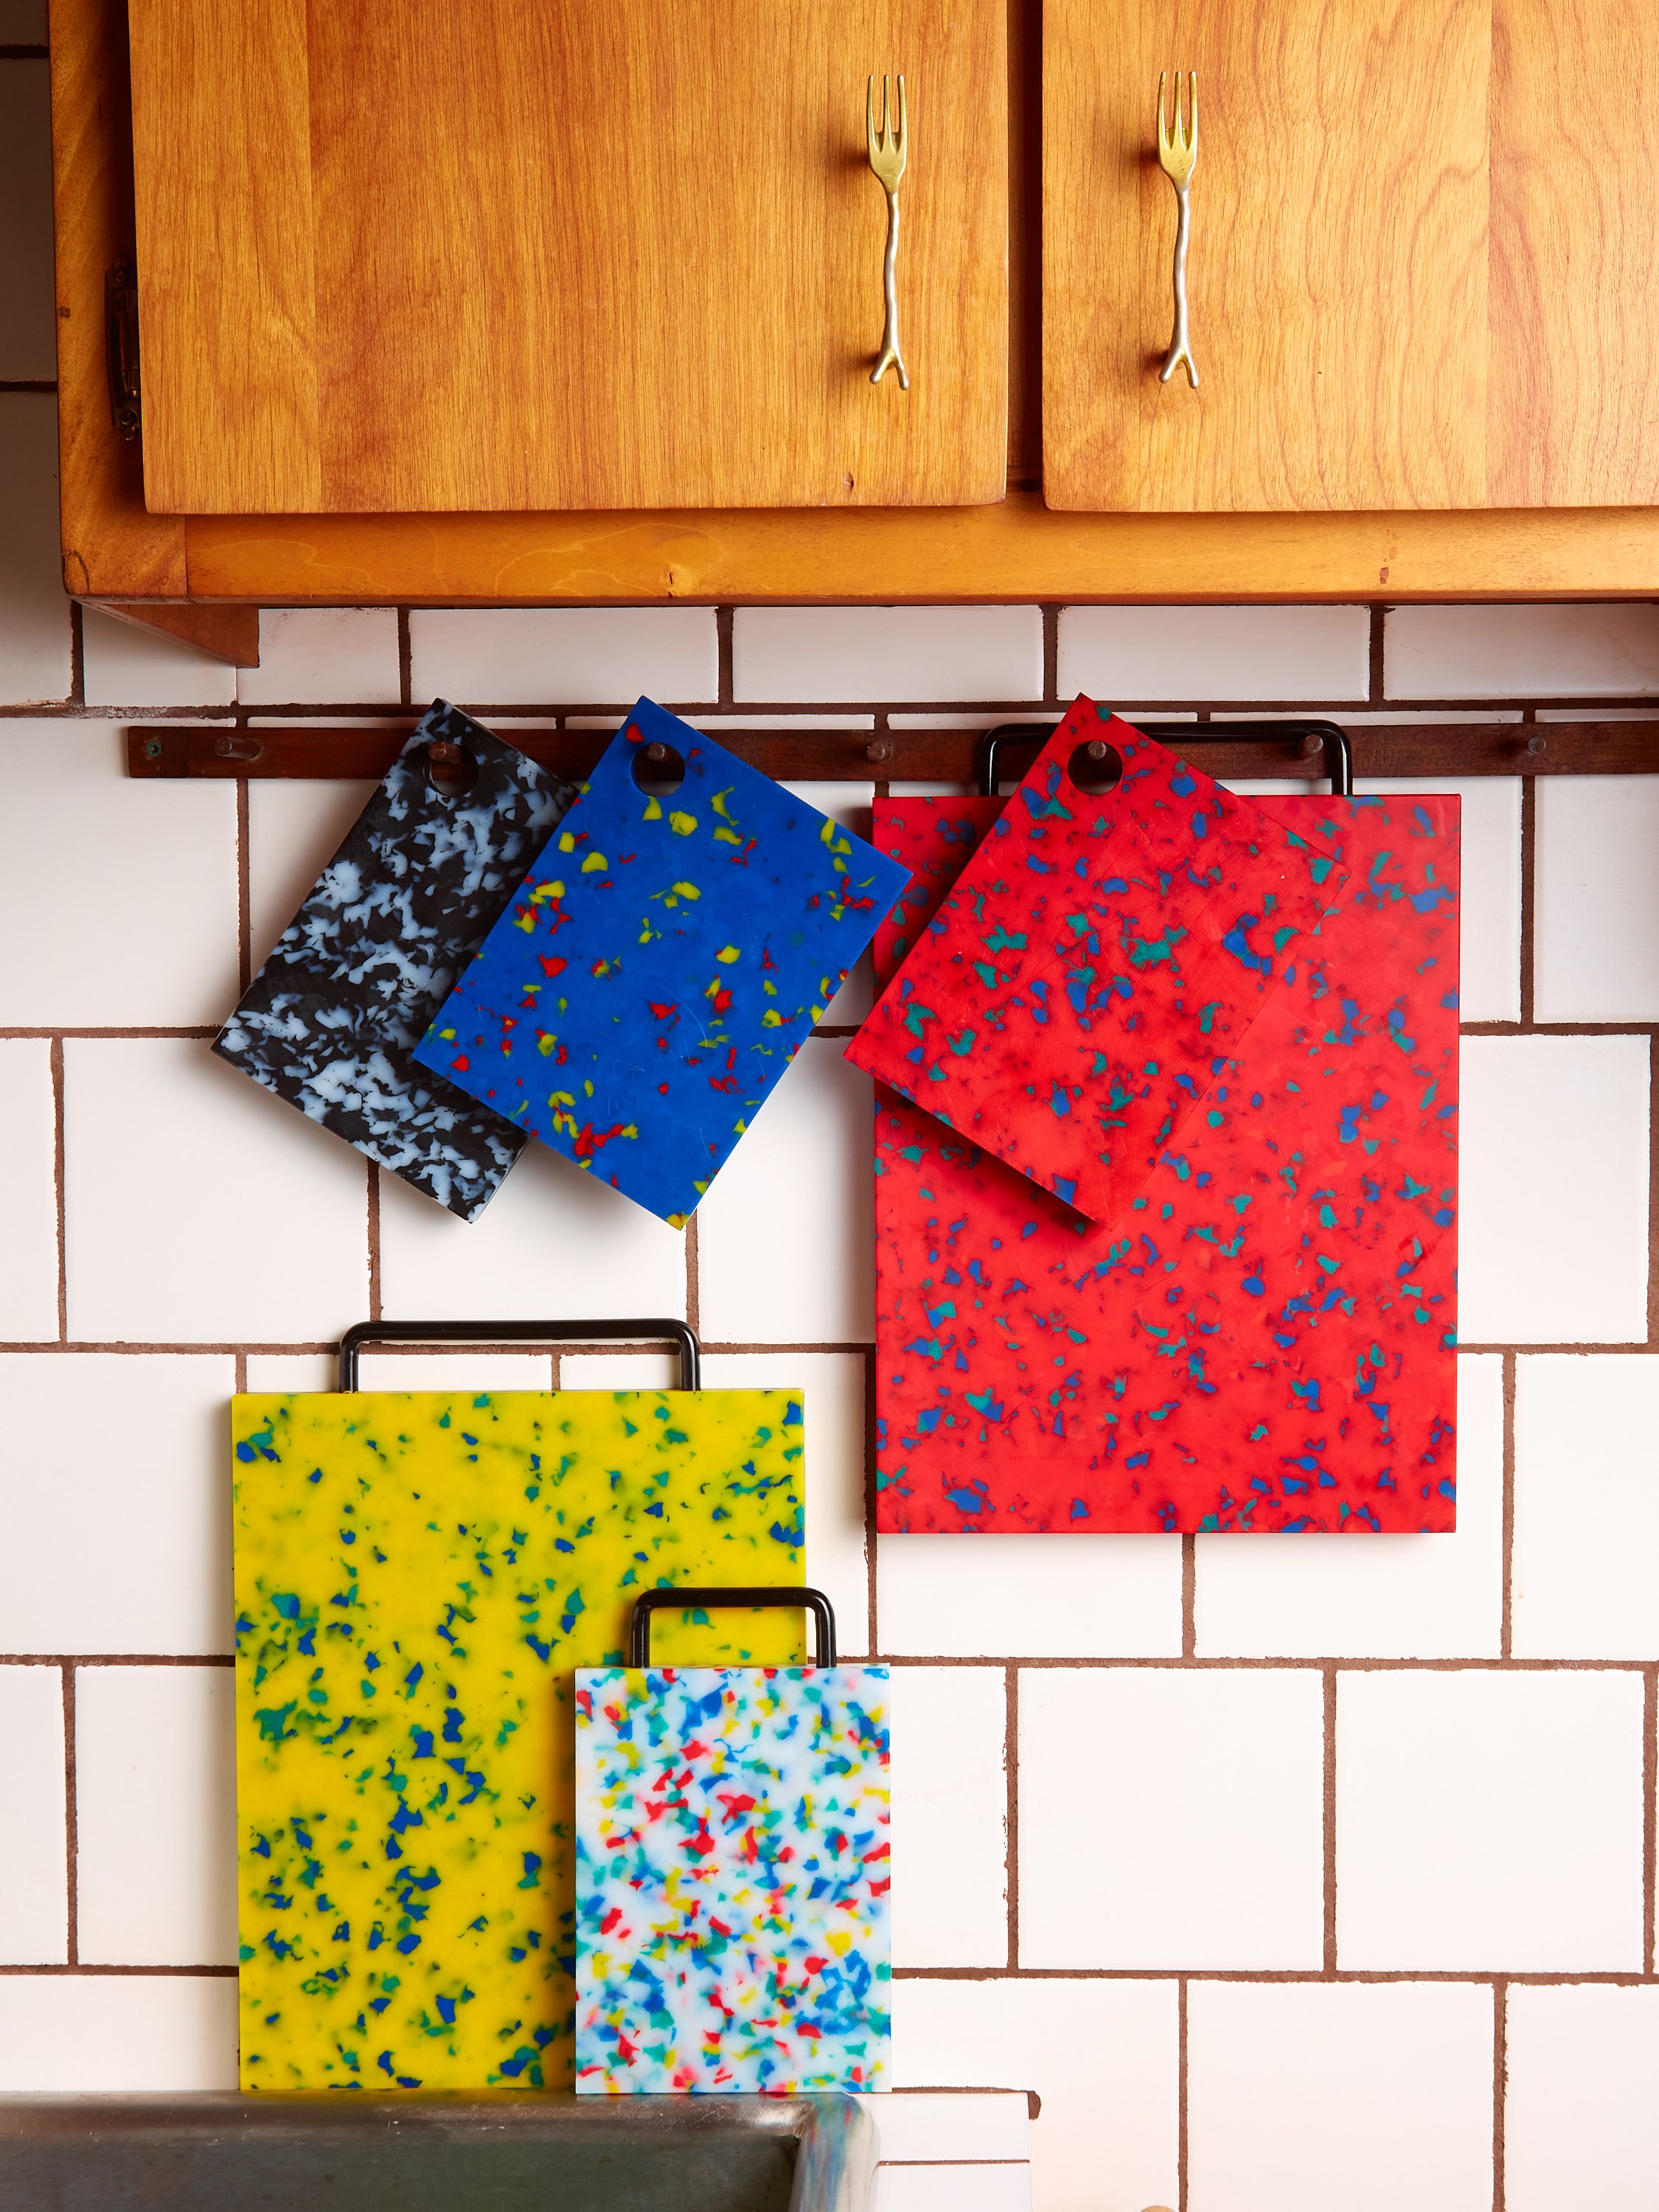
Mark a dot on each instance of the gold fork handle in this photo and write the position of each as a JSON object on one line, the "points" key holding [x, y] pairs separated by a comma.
{"points": [[891, 356], [1181, 351]]}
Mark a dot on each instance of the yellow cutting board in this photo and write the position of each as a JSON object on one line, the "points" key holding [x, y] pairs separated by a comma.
{"points": [[417, 1574]]}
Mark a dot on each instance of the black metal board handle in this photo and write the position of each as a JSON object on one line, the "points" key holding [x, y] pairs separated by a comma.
{"points": [[1338, 753], [657, 1600], [519, 1332]]}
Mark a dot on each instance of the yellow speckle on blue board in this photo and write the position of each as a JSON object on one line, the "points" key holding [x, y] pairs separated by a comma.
{"points": [[417, 1574]]}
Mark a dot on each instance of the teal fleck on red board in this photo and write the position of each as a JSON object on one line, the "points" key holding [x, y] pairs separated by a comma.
{"points": [[660, 966], [1263, 1339]]}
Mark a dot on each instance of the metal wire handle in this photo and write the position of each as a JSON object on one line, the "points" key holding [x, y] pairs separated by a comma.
{"points": [[1338, 753], [519, 1332], [660, 1601]]}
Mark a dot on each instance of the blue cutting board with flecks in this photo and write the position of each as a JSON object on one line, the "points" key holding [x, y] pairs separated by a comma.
{"points": [[660, 966]]}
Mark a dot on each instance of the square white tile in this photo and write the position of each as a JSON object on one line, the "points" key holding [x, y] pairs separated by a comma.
{"points": [[125, 892], [1605, 651], [127, 666], [1584, 1572], [1581, 2123], [1363, 1596], [1170, 1819], [28, 1204], [786, 1237], [34, 1893], [1489, 1821], [562, 656], [1596, 926], [1152, 654], [115, 1499], [155, 1827], [34, 610], [880, 654], [1040, 1597], [1552, 1239], [1103, 2056], [1489, 987], [1423, 2053], [346, 655], [103, 2033], [29, 304], [553, 1245], [199, 1208], [949, 1816]]}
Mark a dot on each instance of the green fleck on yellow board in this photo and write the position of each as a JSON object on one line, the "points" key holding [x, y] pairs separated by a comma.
{"points": [[417, 1574]]}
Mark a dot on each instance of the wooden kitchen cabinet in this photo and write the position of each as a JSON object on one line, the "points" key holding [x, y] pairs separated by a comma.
{"points": [[1424, 269], [494, 255]]}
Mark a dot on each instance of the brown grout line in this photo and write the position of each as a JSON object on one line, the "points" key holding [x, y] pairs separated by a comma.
{"points": [[55, 1061], [373, 1228], [70, 1029], [1500, 2071], [406, 659], [241, 1375], [872, 1595], [1181, 2162], [1505, 1637], [1051, 653], [1468, 1977], [1375, 691], [1290, 1662], [723, 656], [1649, 1808], [118, 1659], [244, 909], [1189, 1596], [89, 1968], [1011, 1825], [1529, 854], [72, 1822], [693, 1278], [77, 696], [1328, 1839], [1558, 1029]]}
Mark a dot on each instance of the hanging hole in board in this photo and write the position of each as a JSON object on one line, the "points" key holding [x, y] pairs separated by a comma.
{"points": [[659, 770], [450, 768], [1095, 768]]}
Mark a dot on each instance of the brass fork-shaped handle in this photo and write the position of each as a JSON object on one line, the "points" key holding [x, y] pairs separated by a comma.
{"points": [[889, 147], [1178, 155]]}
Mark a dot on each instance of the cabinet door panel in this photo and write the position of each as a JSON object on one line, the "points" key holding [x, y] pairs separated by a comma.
{"points": [[1575, 253], [1338, 267], [500, 254]]}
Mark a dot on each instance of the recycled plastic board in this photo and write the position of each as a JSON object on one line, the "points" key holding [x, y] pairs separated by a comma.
{"points": [[733, 1879], [417, 1574], [331, 1021], [1096, 961], [1264, 1338], [660, 966]]}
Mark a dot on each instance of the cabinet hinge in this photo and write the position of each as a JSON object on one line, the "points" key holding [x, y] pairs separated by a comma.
{"points": [[121, 345]]}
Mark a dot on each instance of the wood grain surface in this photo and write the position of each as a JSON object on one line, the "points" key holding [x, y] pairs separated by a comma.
{"points": [[1338, 266], [489, 255]]}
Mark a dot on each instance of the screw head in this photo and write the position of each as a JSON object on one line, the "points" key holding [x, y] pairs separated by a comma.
{"points": [[152, 748]]}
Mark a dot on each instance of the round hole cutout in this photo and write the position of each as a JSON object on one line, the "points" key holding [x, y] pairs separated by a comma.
{"points": [[450, 768], [1095, 768], [659, 771]]}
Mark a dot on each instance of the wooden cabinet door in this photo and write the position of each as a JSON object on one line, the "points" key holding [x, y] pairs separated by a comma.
{"points": [[522, 254], [1337, 274]]}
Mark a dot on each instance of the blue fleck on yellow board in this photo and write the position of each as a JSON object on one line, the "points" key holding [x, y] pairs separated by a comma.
{"points": [[418, 1575], [660, 966]]}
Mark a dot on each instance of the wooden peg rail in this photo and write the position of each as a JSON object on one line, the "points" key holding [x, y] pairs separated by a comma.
{"points": [[805, 755]]}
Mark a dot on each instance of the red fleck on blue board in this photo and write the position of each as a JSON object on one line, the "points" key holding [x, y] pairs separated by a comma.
{"points": [[660, 966], [1263, 1339], [1096, 960]]}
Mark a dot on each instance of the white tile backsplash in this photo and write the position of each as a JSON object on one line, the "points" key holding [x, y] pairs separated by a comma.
{"points": [[115, 1502], [1586, 1464], [35, 657], [562, 656], [1608, 650], [293, 830], [98, 2034], [155, 1784], [956, 2187], [34, 1824], [1581, 2122], [1488, 1820], [949, 1814], [1167, 1819], [1146, 655], [28, 1201], [1596, 924], [1553, 1236], [1423, 2053], [340, 654], [929, 2126], [1040, 1597], [782, 653], [129, 666], [90, 852]]}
